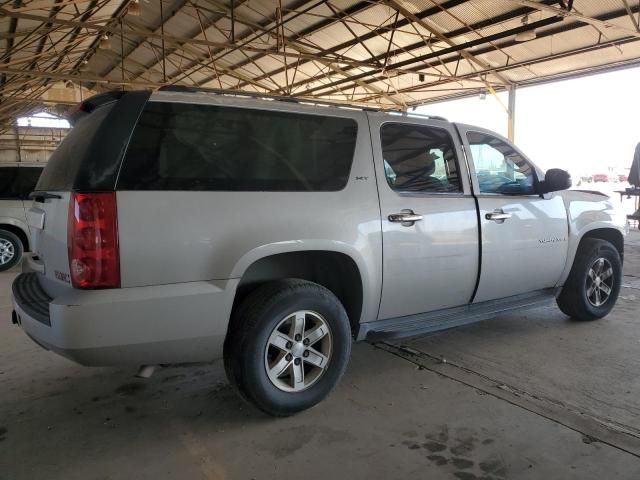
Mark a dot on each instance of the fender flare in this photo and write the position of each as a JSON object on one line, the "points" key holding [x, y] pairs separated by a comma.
{"points": [[371, 285], [575, 239]]}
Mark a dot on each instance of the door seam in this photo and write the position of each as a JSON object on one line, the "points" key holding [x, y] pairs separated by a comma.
{"points": [[478, 220], [375, 177]]}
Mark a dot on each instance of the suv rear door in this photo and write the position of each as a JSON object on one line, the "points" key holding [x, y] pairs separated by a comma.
{"points": [[48, 216], [430, 260], [524, 236], [87, 160]]}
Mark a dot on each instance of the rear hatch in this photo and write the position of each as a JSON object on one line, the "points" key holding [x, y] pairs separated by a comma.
{"points": [[87, 160]]}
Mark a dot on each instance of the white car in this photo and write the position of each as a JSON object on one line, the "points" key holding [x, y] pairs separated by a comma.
{"points": [[17, 181]]}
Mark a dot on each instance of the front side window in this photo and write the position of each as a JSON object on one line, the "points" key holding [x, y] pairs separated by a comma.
{"points": [[499, 168], [178, 146], [418, 158]]}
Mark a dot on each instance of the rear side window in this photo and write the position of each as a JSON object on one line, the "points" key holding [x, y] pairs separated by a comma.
{"points": [[178, 146], [418, 158], [64, 164]]}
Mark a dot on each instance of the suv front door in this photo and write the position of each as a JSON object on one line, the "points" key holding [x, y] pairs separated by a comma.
{"points": [[429, 219], [524, 236]]}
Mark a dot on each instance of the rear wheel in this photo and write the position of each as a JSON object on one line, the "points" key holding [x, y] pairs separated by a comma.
{"points": [[593, 285], [288, 346], [10, 250]]}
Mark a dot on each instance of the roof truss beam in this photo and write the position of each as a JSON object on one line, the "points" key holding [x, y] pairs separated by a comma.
{"points": [[509, 43], [573, 15], [423, 15]]}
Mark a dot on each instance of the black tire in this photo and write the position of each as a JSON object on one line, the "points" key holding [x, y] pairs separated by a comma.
{"points": [[247, 344], [15, 245], [574, 300]]}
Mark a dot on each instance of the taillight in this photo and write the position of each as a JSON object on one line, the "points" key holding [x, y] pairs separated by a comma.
{"points": [[94, 260]]}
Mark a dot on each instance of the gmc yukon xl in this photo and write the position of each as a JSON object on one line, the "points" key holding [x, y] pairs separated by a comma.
{"points": [[188, 225]]}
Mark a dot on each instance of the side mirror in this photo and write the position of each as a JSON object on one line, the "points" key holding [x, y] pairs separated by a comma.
{"points": [[555, 180]]}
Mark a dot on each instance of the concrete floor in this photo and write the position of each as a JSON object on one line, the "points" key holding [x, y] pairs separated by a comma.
{"points": [[524, 396]]}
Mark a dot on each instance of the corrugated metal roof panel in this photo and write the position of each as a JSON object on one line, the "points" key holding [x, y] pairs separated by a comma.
{"points": [[338, 52]]}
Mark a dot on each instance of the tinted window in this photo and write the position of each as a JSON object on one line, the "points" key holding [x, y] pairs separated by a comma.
{"points": [[27, 179], [201, 147], [8, 182], [499, 168], [65, 162], [418, 158], [18, 182]]}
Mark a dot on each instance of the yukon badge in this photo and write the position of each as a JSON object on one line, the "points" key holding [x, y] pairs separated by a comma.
{"points": [[65, 277], [552, 240]]}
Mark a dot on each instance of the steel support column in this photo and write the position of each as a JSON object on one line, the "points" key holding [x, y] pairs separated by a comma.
{"points": [[511, 113], [18, 147]]}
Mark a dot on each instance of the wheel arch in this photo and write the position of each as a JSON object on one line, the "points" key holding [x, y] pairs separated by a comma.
{"points": [[18, 231], [611, 235], [606, 232], [334, 270]]}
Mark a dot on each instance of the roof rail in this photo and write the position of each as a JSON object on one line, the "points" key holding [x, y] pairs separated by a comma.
{"points": [[424, 115], [238, 93]]}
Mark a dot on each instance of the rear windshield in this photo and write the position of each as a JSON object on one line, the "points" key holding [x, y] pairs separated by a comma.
{"points": [[18, 182], [63, 165], [178, 146]]}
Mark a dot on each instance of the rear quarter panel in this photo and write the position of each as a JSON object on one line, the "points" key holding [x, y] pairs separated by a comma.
{"points": [[171, 237]]}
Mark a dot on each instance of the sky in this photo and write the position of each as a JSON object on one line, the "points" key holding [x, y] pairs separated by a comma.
{"points": [[586, 125], [44, 120]]}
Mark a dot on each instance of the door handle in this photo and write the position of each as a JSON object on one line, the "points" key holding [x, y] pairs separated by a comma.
{"points": [[498, 216], [405, 217]]}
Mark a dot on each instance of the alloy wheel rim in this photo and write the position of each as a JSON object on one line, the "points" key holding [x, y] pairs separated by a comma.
{"points": [[599, 283], [7, 251], [298, 351]]}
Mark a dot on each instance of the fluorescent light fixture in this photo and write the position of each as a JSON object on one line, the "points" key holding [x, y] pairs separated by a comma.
{"points": [[104, 44], [527, 34], [134, 9]]}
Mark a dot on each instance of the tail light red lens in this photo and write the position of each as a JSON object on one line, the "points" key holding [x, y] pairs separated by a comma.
{"points": [[94, 260]]}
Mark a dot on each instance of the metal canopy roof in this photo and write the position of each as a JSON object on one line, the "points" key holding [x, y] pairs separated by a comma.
{"points": [[389, 53]]}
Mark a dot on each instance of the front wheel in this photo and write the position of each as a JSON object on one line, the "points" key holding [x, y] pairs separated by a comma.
{"points": [[593, 285], [288, 346]]}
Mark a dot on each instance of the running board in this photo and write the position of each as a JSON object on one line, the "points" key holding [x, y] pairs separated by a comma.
{"points": [[419, 324]]}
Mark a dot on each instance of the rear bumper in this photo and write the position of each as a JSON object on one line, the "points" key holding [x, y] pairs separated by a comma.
{"points": [[177, 323]]}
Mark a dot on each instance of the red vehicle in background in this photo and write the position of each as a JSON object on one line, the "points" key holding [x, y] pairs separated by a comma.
{"points": [[600, 177], [622, 178]]}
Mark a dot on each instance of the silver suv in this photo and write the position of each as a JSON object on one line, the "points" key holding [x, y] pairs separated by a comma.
{"points": [[186, 225], [17, 181]]}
